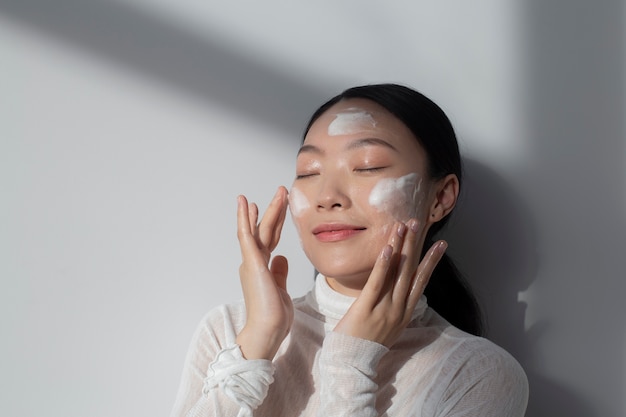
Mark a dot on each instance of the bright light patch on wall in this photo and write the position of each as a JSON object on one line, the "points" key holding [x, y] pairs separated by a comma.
{"points": [[525, 297]]}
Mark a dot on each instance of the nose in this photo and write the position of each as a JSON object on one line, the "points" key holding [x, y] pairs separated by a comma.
{"points": [[332, 195]]}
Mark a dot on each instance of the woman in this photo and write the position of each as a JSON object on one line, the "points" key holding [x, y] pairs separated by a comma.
{"points": [[377, 175]]}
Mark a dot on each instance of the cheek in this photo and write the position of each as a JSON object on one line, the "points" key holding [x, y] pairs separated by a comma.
{"points": [[298, 205], [400, 198], [298, 202]]}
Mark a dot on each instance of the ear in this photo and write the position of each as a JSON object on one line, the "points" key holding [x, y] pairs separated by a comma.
{"points": [[446, 192]]}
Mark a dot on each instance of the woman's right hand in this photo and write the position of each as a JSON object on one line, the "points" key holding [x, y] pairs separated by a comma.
{"points": [[269, 310]]}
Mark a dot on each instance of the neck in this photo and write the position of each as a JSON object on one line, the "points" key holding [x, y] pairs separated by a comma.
{"points": [[350, 288]]}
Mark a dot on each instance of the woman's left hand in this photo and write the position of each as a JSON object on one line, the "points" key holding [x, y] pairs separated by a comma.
{"points": [[395, 285]]}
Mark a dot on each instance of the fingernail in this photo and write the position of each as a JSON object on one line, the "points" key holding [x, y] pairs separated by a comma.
{"points": [[443, 245], [414, 225], [401, 229], [387, 251]]}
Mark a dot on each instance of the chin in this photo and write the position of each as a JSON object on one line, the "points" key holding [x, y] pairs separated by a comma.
{"points": [[348, 274], [342, 264]]}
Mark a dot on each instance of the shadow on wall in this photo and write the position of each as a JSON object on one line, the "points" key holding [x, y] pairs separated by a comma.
{"points": [[156, 48], [575, 108], [493, 241], [492, 238]]}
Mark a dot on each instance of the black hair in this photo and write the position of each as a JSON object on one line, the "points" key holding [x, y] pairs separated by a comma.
{"points": [[447, 292]]}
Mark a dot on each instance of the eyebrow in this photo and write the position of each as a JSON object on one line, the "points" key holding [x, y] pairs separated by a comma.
{"points": [[310, 149], [360, 143]]}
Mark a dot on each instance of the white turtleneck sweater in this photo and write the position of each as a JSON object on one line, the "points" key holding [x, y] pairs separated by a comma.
{"points": [[434, 369]]}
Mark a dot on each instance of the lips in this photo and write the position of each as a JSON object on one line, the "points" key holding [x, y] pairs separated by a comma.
{"points": [[334, 232]]}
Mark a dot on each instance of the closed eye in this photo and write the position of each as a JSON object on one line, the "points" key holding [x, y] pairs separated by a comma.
{"points": [[369, 169], [303, 176]]}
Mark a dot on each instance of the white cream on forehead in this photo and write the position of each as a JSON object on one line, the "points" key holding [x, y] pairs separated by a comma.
{"points": [[350, 121], [397, 196], [298, 203]]}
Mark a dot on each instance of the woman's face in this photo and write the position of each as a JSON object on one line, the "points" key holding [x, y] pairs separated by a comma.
{"points": [[359, 171]]}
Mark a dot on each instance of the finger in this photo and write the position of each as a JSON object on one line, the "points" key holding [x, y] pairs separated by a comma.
{"points": [[247, 242], [281, 221], [409, 259], [272, 222], [374, 287], [253, 217], [280, 268], [271, 225], [244, 230], [424, 272], [380, 281], [243, 217]]}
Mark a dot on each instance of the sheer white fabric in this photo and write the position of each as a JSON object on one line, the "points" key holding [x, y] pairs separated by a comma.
{"points": [[434, 369], [245, 381]]}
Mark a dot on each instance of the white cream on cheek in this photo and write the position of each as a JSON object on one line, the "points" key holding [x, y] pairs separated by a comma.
{"points": [[298, 203], [399, 197], [352, 120]]}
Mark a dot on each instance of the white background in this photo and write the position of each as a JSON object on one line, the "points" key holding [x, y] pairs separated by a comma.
{"points": [[128, 128]]}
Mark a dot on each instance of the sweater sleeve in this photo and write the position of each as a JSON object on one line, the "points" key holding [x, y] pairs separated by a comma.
{"points": [[216, 379], [347, 370]]}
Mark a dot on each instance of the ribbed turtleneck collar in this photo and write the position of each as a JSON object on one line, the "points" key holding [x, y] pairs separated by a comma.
{"points": [[334, 305]]}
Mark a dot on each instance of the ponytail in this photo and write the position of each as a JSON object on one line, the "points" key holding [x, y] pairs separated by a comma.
{"points": [[449, 294]]}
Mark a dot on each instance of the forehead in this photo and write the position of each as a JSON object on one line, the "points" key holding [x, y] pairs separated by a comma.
{"points": [[354, 119]]}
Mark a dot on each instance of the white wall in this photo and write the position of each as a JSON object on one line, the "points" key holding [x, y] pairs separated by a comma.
{"points": [[128, 128]]}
